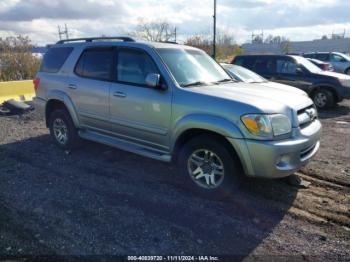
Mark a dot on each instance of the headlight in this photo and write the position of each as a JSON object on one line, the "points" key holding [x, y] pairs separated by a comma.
{"points": [[267, 126], [345, 82]]}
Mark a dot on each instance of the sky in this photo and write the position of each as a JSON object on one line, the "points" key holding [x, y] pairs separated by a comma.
{"points": [[297, 20]]}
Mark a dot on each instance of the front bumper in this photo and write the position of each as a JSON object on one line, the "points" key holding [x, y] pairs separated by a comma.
{"points": [[274, 159]]}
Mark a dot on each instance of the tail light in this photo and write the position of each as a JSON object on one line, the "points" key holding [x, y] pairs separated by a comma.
{"points": [[36, 82], [324, 67]]}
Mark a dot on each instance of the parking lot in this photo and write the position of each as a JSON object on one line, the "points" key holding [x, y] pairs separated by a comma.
{"points": [[100, 200]]}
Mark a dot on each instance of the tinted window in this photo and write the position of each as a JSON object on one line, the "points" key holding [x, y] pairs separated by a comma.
{"points": [[95, 64], [337, 58], [285, 66], [309, 55], [322, 57], [54, 59], [263, 65], [245, 61], [133, 66]]}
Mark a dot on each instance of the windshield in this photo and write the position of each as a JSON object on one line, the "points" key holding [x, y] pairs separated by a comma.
{"points": [[192, 67], [307, 64], [244, 74]]}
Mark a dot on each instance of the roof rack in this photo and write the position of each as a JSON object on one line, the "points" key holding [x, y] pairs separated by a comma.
{"points": [[91, 39]]}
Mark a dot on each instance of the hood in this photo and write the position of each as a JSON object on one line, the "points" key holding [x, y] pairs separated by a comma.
{"points": [[267, 99], [283, 87], [334, 74]]}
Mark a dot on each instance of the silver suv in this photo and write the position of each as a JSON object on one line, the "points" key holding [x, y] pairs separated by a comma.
{"points": [[173, 103], [339, 61]]}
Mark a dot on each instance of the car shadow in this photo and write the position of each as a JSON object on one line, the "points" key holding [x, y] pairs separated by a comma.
{"points": [[337, 111], [103, 201]]}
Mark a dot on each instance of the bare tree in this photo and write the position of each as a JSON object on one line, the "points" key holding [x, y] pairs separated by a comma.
{"points": [[226, 48], [16, 59], [155, 31]]}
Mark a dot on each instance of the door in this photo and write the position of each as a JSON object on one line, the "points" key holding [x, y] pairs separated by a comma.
{"points": [[264, 66], [288, 72], [338, 62], [138, 113], [89, 87]]}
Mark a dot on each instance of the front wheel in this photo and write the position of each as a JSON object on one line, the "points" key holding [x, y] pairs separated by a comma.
{"points": [[209, 166], [323, 98]]}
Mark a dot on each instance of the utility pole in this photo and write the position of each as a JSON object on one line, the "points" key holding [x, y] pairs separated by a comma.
{"points": [[63, 32], [214, 31]]}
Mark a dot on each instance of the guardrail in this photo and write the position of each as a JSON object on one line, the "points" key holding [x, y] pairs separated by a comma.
{"points": [[17, 90]]}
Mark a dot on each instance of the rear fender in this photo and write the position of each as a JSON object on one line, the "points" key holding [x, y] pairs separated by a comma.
{"points": [[64, 98]]}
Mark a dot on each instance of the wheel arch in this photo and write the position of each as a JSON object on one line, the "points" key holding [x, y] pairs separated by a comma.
{"points": [[328, 87], [58, 99]]}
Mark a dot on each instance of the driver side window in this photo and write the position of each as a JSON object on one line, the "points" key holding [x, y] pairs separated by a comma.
{"points": [[133, 66], [337, 58], [284, 66]]}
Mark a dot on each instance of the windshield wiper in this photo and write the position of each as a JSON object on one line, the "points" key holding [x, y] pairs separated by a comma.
{"points": [[226, 80], [197, 83]]}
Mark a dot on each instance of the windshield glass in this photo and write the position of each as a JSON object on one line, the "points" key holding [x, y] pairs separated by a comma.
{"points": [[307, 64], [192, 67], [244, 74]]}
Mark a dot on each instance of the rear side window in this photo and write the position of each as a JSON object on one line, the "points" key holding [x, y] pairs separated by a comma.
{"points": [[263, 65], [96, 64], [322, 57], [54, 59], [245, 61]]}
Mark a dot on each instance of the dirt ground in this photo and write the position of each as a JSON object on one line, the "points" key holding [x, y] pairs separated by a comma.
{"points": [[102, 201]]}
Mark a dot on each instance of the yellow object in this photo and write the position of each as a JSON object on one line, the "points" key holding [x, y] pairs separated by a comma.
{"points": [[17, 90]]}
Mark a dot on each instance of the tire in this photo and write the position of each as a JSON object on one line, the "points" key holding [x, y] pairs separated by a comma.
{"points": [[62, 130], [323, 98], [193, 151]]}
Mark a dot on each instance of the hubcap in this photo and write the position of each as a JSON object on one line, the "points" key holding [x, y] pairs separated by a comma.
{"points": [[320, 99], [60, 131], [206, 168]]}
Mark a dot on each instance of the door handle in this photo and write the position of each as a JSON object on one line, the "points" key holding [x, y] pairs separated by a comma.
{"points": [[72, 86], [119, 94]]}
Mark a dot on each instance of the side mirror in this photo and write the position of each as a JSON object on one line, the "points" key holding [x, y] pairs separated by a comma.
{"points": [[299, 71], [152, 80]]}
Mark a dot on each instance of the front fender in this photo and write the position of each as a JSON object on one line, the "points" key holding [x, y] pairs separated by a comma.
{"points": [[64, 98], [211, 123]]}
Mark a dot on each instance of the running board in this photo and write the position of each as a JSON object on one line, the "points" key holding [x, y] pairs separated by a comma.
{"points": [[122, 144]]}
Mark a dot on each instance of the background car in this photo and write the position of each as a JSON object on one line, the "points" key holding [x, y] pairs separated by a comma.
{"points": [[322, 65], [340, 62], [325, 88], [242, 74]]}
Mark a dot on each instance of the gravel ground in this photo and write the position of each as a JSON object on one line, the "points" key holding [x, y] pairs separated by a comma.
{"points": [[102, 201]]}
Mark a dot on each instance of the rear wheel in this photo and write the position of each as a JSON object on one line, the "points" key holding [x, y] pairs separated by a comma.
{"points": [[209, 166], [323, 98], [62, 129]]}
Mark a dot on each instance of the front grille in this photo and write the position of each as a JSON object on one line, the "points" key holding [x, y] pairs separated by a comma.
{"points": [[306, 116]]}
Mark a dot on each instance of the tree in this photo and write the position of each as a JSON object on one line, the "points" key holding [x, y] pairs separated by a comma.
{"points": [[16, 59], [160, 31], [226, 48]]}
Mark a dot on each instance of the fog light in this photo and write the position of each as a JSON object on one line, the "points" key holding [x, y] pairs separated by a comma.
{"points": [[283, 161]]}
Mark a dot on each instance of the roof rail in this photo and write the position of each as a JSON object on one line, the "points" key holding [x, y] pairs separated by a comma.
{"points": [[91, 39]]}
